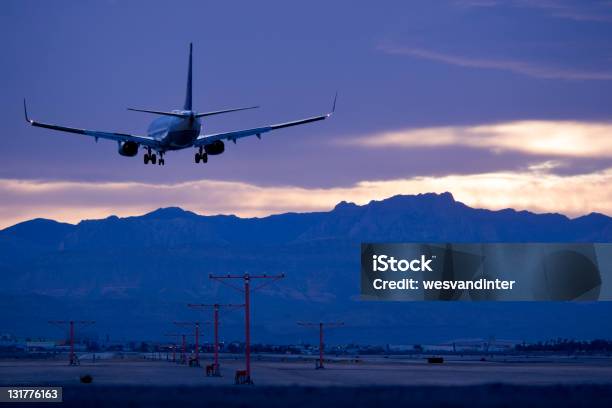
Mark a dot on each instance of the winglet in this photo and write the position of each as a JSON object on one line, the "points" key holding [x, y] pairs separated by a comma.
{"points": [[25, 112], [333, 106]]}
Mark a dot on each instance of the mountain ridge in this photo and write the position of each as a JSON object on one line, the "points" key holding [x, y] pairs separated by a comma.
{"points": [[133, 274], [435, 210], [178, 212]]}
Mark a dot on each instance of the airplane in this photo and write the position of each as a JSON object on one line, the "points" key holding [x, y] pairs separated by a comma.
{"points": [[178, 129]]}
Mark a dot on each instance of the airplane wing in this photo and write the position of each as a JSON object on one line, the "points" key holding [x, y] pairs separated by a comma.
{"points": [[120, 137], [238, 134]]}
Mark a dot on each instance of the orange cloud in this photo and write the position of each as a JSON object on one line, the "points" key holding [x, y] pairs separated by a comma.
{"points": [[533, 189], [534, 137]]}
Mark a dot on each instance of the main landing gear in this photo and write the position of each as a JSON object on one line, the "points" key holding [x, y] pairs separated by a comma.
{"points": [[201, 155], [152, 158]]}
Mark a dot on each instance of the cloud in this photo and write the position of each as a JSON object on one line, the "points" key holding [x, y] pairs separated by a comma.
{"points": [[572, 10], [533, 189], [519, 67], [534, 137]]}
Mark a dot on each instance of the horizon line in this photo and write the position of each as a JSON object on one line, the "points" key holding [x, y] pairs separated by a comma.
{"points": [[198, 214]]}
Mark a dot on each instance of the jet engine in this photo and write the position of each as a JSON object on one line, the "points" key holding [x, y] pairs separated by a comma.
{"points": [[128, 149], [216, 147]]}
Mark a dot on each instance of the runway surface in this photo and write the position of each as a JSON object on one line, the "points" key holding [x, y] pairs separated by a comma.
{"points": [[279, 371]]}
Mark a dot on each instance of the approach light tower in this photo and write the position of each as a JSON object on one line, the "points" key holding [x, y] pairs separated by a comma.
{"points": [[320, 325], [196, 325], [214, 369], [73, 359], [244, 376]]}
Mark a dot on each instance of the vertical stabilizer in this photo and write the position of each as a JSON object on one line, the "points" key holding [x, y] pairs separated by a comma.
{"points": [[188, 94]]}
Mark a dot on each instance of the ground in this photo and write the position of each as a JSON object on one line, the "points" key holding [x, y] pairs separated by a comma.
{"points": [[501, 381]]}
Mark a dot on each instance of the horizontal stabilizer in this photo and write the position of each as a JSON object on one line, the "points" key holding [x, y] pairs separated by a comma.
{"points": [[199, 115], [178, 115], [186, 115]]}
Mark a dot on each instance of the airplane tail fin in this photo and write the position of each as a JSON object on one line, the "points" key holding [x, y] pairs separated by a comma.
{"points": [[188, 105]]}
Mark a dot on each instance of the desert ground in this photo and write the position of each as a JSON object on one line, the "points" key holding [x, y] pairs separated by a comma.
{"points": [[285, 381], [280, 371]]}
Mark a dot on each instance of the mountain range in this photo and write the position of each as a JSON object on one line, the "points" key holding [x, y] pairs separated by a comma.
{"points": [[135, 275]]}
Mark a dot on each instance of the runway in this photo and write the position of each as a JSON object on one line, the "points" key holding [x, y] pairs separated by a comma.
{"points": [[281, 371]]}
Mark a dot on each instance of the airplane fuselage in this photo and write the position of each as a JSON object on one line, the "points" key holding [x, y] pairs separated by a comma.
{"points": [[175, 133]]}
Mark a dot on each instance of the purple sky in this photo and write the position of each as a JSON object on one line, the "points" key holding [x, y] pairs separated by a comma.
{"points": [[397, 65]]}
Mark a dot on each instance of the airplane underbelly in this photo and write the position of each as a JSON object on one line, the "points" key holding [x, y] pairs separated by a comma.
{"points": [[181, 138]]}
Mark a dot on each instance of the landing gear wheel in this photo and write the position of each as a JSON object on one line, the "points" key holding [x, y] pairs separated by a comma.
{"points": [[153, 159], [146, 158], [204, 158], [197, 157]]}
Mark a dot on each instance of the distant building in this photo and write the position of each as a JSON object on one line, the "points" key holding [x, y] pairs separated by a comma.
{"points": [[400, 348], [40, 345], [474, 345]]}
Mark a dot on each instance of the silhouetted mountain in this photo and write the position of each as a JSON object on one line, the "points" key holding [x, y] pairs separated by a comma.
{"points": [[133, 273], [424, 217], [37, 232]]}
